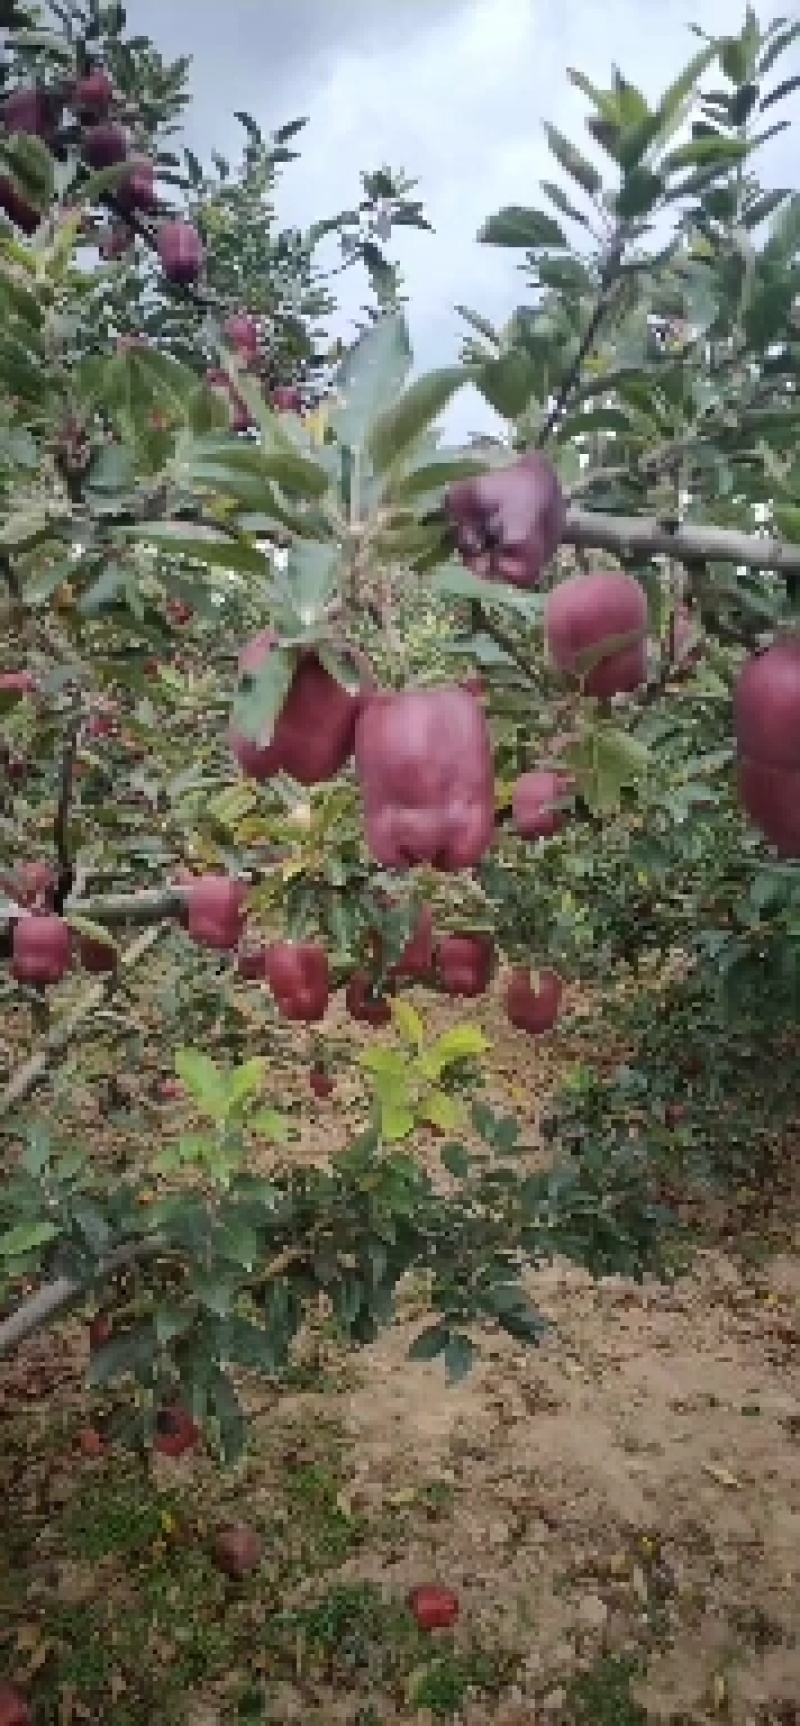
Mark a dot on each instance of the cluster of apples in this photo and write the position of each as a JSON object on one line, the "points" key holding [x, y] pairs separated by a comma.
{"points": [[105, 143]]}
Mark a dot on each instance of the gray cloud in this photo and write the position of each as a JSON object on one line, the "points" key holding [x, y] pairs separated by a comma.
{"points": [[453, 91]]}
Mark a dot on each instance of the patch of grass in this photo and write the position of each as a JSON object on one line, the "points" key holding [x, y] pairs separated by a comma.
{"points": [[602, 1696]]}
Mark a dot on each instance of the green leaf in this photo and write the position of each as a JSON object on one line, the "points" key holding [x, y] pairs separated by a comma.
{"points": [[480, 324], [430, 1342], [94, 931], [639, 193], [399, 427], [408, 1023], [507, 383], [261, 695], [562, 202], [441, 1110], [310, 578], [460, 1043], [518, 225], [434, 478], [573, 163], [272, 1124], [396, 1122], [456, 1159], [227, 551], [608, 761], [16, 1243], [459, 1357], [205, 1084], [370, 379]]}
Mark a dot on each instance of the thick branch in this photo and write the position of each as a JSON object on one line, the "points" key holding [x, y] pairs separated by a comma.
{"points": [[645, 536], [56, 1297], [61, 1034]]}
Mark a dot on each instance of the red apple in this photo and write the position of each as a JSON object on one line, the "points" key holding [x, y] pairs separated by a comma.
{"points": [[363, 1004], [19, 683], [93, 95], [181, 251], [433, 1607], [589, 612], [14, 1710], [533, 1009], [251, 964], [766, 705], [42, 949], [287, 400], [321, 1083], [175, 1432], [538, 803], [94, 1445], [464, 963], [242, 333], [238, 1550], [216, 911], [105, 145], [100, 1330]]}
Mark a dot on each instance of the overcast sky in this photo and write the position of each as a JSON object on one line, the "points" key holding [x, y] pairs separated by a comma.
{"points": [[452, 91]]}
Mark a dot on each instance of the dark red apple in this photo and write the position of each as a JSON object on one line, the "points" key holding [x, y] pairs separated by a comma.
{"points": [[105, 145], [766, 705], [242, 333], [533, 1009], [216, 906], [464, 963], [19, 211], [175, 1432], [31, 111], [238, 1550], [509, 523], [433, 1607], [286, 400], [538, 806], [42, 949], [138, 190], [93, 95], [589, 612], [321, 1083], [180, 249], [14, 1710], [362, 1002]]}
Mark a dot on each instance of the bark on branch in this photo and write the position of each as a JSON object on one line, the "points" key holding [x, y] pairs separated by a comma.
{"points": [[644, 536]]}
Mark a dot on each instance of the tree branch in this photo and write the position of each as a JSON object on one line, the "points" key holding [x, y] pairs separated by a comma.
{"points": [[690, 542], [61, 1034], [56, 1297]]}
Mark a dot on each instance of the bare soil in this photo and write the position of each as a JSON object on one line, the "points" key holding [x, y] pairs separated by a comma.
{"points": [[631, 1485]]}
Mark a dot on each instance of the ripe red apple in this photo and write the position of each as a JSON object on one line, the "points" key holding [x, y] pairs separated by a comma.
{"points": [[116, 240], [286, 400], [238, 1550], [587, 612], [33, 884], [416, 960], [251, 964], [138, 190], [216, 911], [530, 1009], [100, 1330], [29, 110], [19, 683], [674, 1114], [538, 803], [42, 949], [14, 1710], [94, 1445], [766, 705], [298, 976], [363, 1004], [180, 249], [242, 333], [433, 1607], [509, 523], [314, 733], [179, 612], [96, 957], [93, 95], [321, 1083], [105, 145], [175, 1432], [766, 715], [464, 963], [171, 1091]]}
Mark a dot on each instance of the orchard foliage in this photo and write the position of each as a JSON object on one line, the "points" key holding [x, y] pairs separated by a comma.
{"points": [[321, 704]]}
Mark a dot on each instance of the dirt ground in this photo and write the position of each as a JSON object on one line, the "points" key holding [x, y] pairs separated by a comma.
{"points": [[631, 1484]]}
